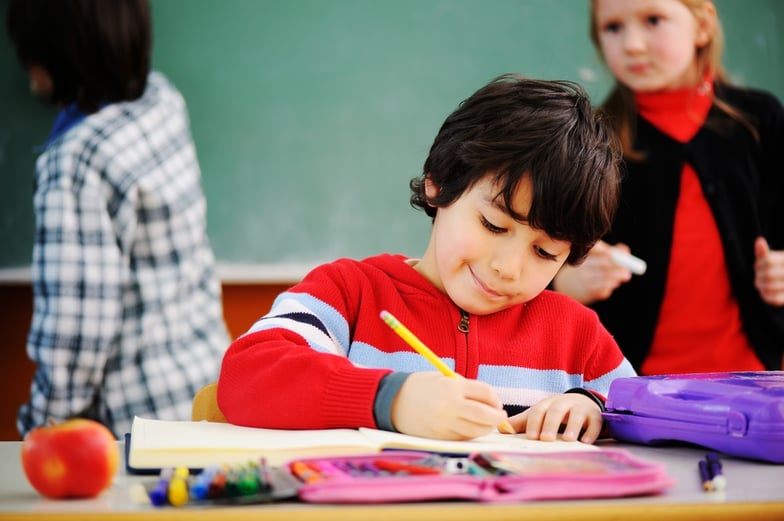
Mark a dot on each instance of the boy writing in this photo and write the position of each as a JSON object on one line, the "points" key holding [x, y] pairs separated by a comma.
{"points": [[522, 178]]}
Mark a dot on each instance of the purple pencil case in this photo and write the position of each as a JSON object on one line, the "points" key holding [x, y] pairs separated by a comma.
{"points": [[737, 413]]}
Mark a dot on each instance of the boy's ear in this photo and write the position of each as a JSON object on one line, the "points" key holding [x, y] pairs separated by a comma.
{"points": [[40, 80], [431, 189]]}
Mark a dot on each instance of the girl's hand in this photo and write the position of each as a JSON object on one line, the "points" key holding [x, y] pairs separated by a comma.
{"points": [[543, 420], [769, 272], [432, 405], [596, 278]]}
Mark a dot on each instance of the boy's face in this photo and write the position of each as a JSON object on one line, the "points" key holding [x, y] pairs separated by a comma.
{"points": [[482, 258]]}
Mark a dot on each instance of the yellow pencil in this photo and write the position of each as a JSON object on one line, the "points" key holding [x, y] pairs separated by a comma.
{"points": [[417, 344], [429, 355]]}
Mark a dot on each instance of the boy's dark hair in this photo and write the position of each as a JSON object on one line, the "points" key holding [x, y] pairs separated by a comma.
{"points": [[96, 51], [515, 127]]}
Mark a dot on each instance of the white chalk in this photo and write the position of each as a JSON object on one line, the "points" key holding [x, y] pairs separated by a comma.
{"points": [[629, 261]]}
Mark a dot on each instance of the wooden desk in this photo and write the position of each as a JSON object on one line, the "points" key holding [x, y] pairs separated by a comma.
{"points": [[755, 492]]}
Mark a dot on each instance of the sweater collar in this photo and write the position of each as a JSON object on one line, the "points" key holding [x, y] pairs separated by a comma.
{"points": [[678, 113]]}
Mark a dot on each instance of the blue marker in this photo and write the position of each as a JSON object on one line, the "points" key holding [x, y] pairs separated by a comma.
{"points": [[159, 493], [705, 476], [201, 483], [715, 468]]}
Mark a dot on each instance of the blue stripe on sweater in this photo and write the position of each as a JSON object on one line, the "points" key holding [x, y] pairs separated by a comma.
{"points": [[552, 380], [326, 330], [602, 384], [407, 361]]}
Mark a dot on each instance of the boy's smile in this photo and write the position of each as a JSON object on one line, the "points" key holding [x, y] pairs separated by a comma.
{"points": [[484, 259]]}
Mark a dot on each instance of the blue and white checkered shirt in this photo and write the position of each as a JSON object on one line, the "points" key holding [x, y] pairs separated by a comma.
{"points": [[127, 309]]}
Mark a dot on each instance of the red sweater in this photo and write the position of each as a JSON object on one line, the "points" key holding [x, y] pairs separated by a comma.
{"points": [[316, 359]]}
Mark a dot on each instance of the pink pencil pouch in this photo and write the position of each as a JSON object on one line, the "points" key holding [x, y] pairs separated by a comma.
{"points": [[404, 476]]}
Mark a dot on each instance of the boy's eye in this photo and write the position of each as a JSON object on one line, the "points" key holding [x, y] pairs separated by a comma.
{"points": [[490, 226], [611, 27], [653, 19], [544, 253]]}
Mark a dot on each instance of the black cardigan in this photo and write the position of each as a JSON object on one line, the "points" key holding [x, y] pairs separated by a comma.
{"points": [[743, 181]]}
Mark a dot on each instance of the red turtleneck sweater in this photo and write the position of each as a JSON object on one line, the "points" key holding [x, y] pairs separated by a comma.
{"points": [[699, 327]]}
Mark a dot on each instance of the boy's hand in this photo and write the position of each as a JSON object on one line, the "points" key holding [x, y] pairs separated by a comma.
{"points": [[543, 420], [432, 405], [596, 278]]}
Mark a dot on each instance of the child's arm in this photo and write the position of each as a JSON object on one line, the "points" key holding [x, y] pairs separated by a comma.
{"points": [[292, 371], [274, 379]]}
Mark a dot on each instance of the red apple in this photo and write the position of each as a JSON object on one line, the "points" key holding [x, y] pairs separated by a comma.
{"points": [[74, 459]]}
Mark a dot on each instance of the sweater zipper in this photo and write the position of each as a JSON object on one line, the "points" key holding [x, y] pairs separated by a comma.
{"points": [[462, 326]]}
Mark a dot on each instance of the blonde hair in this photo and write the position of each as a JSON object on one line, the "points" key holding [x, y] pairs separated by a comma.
{"points": [[620, 101]]}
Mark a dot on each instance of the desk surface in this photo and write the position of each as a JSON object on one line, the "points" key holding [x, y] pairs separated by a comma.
{"points": [[755, 492]]}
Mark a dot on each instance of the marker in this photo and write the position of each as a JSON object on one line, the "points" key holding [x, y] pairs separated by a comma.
{"points": [[409, 468], [265, 478], [331, 471], [160, 490], [217, 486], [705, 476], [201, 483], [178, 487], [429, 355], [634, 264], [232, 488], [715, 469], [305, 472]]}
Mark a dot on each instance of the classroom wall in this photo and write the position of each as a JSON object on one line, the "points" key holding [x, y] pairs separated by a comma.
{"points": [[310, 116]]}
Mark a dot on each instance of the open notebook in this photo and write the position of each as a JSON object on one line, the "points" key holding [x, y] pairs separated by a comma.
{"points": [[153, 444]]}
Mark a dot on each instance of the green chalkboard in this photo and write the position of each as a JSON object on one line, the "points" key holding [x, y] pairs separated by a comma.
{"points": [[310, 116]]}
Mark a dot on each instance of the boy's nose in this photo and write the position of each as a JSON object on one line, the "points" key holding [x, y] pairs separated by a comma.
{"points": [[508, 265]]}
